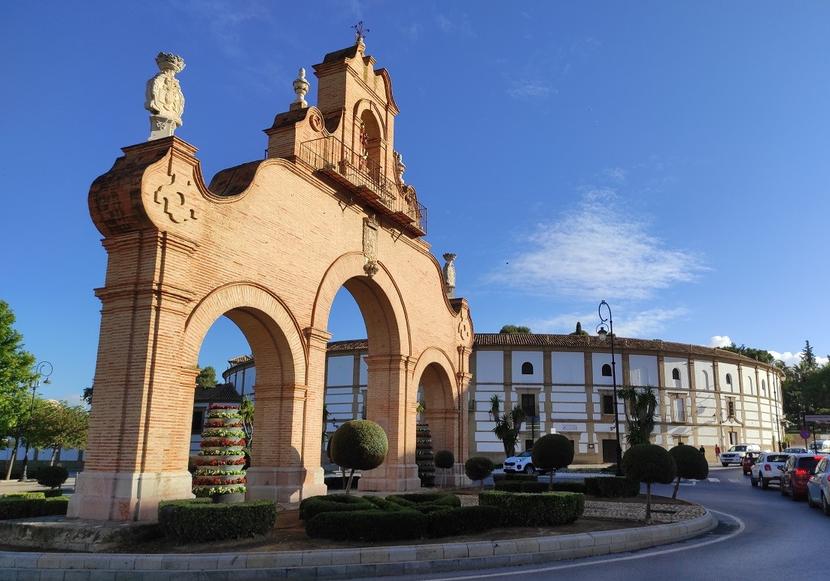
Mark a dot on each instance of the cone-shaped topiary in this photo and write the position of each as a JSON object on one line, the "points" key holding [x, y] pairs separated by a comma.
{"points": [[220, 472], [552, 452], [359, 445], [690, 464], [649, 463]]}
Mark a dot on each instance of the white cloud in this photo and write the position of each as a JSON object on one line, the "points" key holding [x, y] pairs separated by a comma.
{"points": [[645, 324], [794, 358], [527, 88], [598, 251], [720, 341]]}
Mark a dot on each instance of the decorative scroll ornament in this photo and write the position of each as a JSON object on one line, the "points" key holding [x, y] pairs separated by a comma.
{"points": [[173, 198], [464, 331], [164, 98], [370, 246], [301, 90], [449, 274]]}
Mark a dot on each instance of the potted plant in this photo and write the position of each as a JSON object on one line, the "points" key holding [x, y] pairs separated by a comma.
{"points": [[220, 465]]}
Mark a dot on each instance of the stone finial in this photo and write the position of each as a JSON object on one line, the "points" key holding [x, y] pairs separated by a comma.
{"points": [[400, 167], [301, 90], [164, 99], [449, 274]]}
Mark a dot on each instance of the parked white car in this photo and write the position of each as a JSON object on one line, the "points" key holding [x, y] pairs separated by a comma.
{"points": [[818, 486], [767, 469], [795, 450], [736, 453], [519, 463]]}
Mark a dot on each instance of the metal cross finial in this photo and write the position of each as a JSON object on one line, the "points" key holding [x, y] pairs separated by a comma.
{"points": [[359, 31]]}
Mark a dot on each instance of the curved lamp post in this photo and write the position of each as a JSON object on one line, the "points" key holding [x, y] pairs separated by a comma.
{"points": [[44, 370], [603, 333]]}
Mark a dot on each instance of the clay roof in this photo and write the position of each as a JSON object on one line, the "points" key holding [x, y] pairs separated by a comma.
{"points": [[240, 359], [222, 393]]}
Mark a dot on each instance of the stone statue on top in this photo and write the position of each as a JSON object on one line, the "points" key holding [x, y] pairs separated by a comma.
{"points": [[164, 98]]}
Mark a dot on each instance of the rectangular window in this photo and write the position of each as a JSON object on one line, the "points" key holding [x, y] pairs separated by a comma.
{"points": [[528, 445], [198, 420], [607, 404], [733, 438], [679, 409], [529, 404], [730, 407]]}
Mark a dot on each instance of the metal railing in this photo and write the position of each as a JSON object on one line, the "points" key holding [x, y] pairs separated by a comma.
{"points": [[334, 158]]}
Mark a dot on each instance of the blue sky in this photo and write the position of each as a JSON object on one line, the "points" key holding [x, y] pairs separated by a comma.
{"points": [[669, 157]]}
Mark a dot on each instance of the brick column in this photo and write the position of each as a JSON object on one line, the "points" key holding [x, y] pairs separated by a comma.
{"points": [[139, 430], [391, 397]]}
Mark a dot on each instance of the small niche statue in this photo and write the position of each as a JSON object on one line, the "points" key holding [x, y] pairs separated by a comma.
{"points": [[164, 98], [449, 274]]}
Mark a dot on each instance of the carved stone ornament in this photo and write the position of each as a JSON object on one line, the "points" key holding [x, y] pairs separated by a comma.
{"points": [[400, 167], [370, 246], [316, 121], [164, 99], [464, 331], [300, 86], [173, 198]]}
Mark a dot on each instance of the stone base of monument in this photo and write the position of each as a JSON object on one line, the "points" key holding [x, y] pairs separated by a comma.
{"points": [[57, 533]]}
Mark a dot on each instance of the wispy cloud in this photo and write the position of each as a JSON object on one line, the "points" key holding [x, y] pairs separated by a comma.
{"points": [[226, 19], [460, 25], [794, 358], [527, 88], [720, 341], [599, 250], [628, 322]]}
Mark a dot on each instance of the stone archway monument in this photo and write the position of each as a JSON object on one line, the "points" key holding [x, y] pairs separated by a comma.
{"points": [[268, 243]]}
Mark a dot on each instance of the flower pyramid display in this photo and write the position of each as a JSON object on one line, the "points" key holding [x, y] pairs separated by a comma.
{"points": [[220, 472]]}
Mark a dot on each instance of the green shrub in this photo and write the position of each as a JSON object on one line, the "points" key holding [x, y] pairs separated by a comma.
{"points": [[444, 459], [359, 445], [52, 476], [478, 468], [188, 521], [52, 492], [649, 463], [515, 476], [368, 525], [381, 503], [29, 495], [463, 520], [527, 509], [612, 487], [537, 487], [333, 503], [690, 464], [27, 507], [509, 485], [552, 452]]}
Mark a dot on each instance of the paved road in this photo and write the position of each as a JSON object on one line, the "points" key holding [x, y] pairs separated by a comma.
{"points": [[770, 536]]}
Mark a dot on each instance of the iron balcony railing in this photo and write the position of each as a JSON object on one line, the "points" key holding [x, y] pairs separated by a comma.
{"points": [[366, 178]]}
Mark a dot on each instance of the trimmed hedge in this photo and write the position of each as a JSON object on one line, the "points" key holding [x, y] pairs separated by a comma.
{"points": [[463, 520], [527, 509], [426, 501], [515, 476], [187, 521], [31, 506], [52, 476], [612, 487], [538, 487], [314, 505], [368, 525]]}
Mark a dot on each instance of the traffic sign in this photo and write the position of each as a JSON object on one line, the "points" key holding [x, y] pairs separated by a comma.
{"points": [[805, 434]]}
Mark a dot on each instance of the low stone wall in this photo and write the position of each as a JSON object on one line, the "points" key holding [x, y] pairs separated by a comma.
{"points": [[358, 562]]}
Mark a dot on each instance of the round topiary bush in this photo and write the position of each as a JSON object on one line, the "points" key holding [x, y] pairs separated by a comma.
{"points": [[52, 476], [359, 445], [444, 459], [649, 463], [478, 468], [552, 452], [690, 464]]}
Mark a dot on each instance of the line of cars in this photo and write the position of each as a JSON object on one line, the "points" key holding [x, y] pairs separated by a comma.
{"points": [[799, 473]]}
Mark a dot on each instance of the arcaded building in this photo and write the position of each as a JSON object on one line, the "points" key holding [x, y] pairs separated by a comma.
{"points": [[706, 397]]}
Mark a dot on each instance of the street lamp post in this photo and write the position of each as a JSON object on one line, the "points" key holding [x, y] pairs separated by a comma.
{"points": [[43, 369], [602, 333]]}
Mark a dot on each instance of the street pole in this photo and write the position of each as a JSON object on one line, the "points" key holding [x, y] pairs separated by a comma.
{"points": [[40, 371], [609, 319]]}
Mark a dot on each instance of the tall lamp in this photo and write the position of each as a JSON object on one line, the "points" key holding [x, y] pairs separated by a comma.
{"points": [[44, 370], [603, 333]]}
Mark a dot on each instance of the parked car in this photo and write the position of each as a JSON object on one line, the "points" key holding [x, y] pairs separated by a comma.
{"points": [[736, 453], [519, 463], [820, 446], [765, 470], [796, 472], [748, 462], [795, 450], [818, 486]]}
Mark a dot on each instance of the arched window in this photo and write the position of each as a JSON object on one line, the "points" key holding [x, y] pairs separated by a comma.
{"points": [[527, 368], [750, 384], [729, 379], [705, 379], [606, 370], [764, 387], [675, 374]]}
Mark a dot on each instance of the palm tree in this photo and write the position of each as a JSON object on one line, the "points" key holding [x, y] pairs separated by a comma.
{"points": [[507, 429], [640, 406]]}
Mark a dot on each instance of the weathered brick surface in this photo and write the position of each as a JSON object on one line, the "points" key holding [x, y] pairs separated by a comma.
{"points": [[271, 257]]}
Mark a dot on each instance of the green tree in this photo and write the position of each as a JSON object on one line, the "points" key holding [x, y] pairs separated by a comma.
{"points": [[87, 396], [359, 445], [552, 452], [206, 378], [690, 464], [640, 406], [16, 374], [246, 410], [57, 425], [579, 330], [649, 463], [507, 429], [761, 355], [514, 330]]}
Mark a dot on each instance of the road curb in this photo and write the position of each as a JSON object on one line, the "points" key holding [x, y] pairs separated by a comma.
{"points": [[344, 563]]}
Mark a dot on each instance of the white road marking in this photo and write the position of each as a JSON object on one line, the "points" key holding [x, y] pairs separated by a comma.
{"points": [[741, 527], [713, 479]]}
